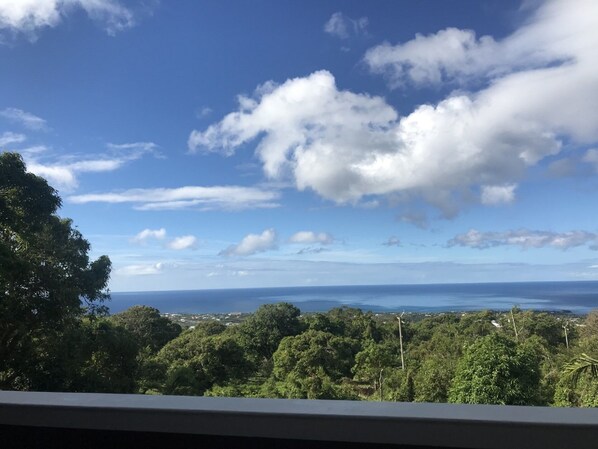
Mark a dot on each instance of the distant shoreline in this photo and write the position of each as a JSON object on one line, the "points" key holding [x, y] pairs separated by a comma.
{"points": [[233, 318], [575, 297], [291, 287]]}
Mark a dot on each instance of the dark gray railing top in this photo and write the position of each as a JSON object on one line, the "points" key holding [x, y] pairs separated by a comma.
{"points": [[442, 425]]}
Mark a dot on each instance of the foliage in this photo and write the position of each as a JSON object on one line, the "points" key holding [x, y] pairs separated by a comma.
{"points": [[590, 325], [353, 323], [47, 281], [264, 330], [310, 365], [495, 370], [147, 326], [435, 361], [374, 362], [582, 364], [109, 358], [213, 359]]}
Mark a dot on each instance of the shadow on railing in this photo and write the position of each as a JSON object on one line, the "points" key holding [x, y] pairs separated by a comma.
{"points": [[81, 420]]}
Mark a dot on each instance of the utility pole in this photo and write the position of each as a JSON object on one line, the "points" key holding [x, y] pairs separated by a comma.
{"points": [[514, 326], [401, 341], [565, 326]]}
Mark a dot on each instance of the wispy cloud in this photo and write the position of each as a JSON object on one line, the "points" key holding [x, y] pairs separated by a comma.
{"points": [[140, 269], [8, 138], [183, 242], [26, 119], [525, 239], [591, 157], [310, 237], [28, 17], [203, 112], [343, 27], [253, 244], [63, 171], [312, 250], [418, 219], [147, 234], [134, 149], [392, 241], [188, 197]]}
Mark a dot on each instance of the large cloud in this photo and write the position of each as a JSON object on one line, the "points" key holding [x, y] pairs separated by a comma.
{"points": [[542, 87], [525, 239], [28, 16], [558, 31]]}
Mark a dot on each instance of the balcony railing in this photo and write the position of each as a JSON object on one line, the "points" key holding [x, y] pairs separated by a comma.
{"points": [[31, 419]]}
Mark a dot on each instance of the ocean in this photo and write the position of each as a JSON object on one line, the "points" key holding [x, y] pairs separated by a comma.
{"points": [[576, 297]]}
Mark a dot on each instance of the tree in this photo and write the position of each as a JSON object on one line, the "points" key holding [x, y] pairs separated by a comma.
{"points": [[582, 364], [214, 359], [529, 323], [495, 370], [372, 362], [590, 325], [353, 323], [262, 332], [109, 362], [47, 281], [147, 326], [436, 361], [310, 365]]}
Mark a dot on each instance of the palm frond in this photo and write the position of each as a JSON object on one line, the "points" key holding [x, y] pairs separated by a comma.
{"points": [[580, 365]]}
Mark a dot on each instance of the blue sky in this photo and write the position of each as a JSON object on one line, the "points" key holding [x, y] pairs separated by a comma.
{"points": [[271, 143]]}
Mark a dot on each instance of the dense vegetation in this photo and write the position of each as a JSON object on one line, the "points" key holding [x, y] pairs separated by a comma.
{"points": [[56, 335]]}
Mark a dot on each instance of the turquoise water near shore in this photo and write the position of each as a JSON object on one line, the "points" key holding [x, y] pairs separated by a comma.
{"points": [[577, 297]]}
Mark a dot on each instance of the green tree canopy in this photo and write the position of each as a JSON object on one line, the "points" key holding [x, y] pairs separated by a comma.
{"points": [[372, 362], [109, 362], [495, 370], [46, 277], [214, 359], [262, 332], [147, 326], [311, 364]]}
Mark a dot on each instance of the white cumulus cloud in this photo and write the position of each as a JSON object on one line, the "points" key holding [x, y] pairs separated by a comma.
{"points": [[541, 88], [558, 31], [147, 234], [183, 242], [525, 239], [30, 16], [310, 237], [253, 244]]}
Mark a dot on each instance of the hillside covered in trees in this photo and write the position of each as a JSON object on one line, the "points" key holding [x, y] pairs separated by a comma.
{"points": [[56, 335]]}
